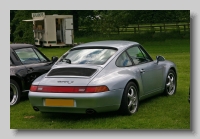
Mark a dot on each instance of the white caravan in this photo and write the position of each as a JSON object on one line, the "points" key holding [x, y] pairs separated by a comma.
{"points": [[52, 30]]}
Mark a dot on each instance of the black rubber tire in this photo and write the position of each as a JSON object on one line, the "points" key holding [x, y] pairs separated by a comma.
{"points": [[171, 83], [130, 102], [15, 92]]}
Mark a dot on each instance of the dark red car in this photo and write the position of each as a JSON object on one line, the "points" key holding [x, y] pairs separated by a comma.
{"points": [[26, 64]]}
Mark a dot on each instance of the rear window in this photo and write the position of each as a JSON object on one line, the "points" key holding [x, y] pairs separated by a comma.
{"points": [[97, 56]]}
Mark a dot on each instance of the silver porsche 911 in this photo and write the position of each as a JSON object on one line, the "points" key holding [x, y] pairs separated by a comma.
{"points": [[102, 76]]}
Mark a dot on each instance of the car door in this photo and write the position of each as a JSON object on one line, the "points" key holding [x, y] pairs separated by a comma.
{"points": [[35, 62], [17, 69], [151, 72]]}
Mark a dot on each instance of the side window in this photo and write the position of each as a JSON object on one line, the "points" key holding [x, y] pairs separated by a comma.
{"points": [[42, 58], [27, 56], [123, 60], [137, 55]]}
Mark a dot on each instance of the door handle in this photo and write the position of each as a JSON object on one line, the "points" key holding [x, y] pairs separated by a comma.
{"points": [[142, 71]]}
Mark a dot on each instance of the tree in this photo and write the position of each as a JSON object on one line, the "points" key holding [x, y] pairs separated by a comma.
{"points": [[23, 31], [104, 21]]}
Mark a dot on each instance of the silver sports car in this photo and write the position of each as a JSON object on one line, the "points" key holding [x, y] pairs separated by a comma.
{"points": [[102, 76]]}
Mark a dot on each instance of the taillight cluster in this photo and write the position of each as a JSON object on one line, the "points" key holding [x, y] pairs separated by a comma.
{"points": [[69, 89]]}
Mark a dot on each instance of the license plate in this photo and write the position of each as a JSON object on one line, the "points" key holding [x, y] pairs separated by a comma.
{"points": [[59, 102]]}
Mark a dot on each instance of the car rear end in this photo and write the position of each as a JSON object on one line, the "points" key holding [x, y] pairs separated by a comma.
{"points": [[66, 87], [72, 93]]}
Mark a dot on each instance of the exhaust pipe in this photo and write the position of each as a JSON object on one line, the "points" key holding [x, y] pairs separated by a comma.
{"points": [[90, 111], [35, 108]]}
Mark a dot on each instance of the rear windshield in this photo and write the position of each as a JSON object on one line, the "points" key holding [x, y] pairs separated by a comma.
{"points": [[97, 56]]}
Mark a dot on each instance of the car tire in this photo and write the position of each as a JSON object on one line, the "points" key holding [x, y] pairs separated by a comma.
{"points": [[171, 83], [130, 101], [15, 92]]}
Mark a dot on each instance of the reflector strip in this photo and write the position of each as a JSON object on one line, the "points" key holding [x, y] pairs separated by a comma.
{"points": [[69, 89]]}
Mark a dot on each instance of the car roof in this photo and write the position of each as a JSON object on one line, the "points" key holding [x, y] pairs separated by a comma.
{"points": [[17, 46], [108, 43]]}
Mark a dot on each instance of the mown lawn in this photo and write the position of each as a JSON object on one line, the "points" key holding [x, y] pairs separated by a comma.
{"points": [[159, 112]]}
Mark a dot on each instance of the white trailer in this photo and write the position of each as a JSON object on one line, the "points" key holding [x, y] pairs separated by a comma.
{"points": [[52, 30]]}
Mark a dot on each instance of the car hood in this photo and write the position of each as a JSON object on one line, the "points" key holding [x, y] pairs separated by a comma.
{"points": [[69, 75]]}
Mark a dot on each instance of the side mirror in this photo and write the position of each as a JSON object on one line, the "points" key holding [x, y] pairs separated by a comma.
{"points": [[54, 59], [160, 58]]}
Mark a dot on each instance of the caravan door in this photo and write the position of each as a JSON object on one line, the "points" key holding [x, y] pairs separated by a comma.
{"points": [[50, 30], [68, 30]]}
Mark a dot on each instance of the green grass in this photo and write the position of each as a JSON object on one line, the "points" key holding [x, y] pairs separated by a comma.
{"points": [[159, 112], [49, 52]]}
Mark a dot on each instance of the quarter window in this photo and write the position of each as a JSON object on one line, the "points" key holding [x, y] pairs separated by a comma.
{"points": [[138, 56], [123, 60]]}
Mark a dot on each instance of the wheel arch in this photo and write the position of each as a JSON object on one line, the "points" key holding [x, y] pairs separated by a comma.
{"points": [[136, 83], [18, 81], [172, 68], [167, 71], [124, 101]]}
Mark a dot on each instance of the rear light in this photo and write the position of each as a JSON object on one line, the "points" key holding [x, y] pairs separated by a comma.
{"points": [[33, 88], [96, 89], [69, 89]]}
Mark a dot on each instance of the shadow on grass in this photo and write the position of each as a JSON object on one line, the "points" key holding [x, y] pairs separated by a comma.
{"points": [[24, 97], [76, 116]]}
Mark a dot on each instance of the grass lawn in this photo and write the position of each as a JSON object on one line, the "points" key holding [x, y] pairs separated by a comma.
{"points": [[159, 112]]}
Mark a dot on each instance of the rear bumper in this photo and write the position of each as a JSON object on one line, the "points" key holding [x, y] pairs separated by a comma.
{"points": [[99, 102]]}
